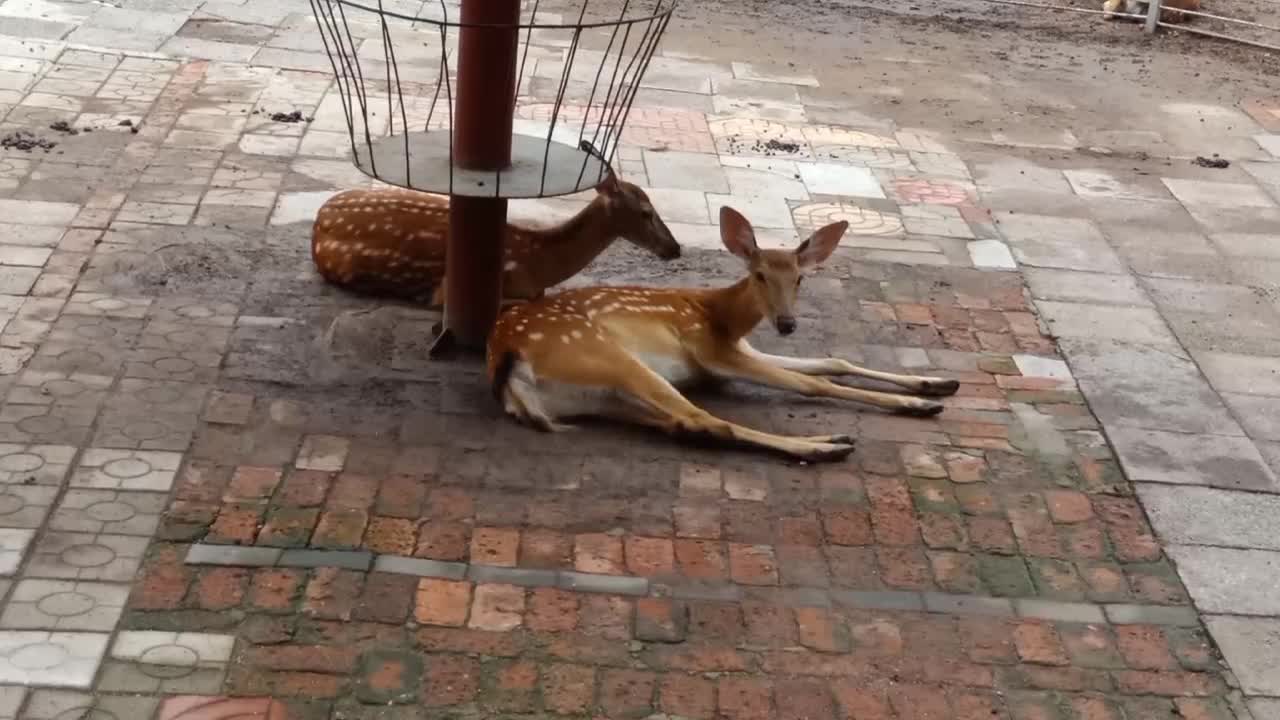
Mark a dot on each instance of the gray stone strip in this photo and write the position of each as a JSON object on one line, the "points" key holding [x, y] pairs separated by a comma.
{"points": [[933, 602]]}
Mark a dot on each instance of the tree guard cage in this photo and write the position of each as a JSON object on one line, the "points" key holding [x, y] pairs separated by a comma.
{"points": [[486, 100]]}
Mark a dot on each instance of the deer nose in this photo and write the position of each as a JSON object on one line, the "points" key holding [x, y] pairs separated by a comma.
{"points": [[786, 324]]}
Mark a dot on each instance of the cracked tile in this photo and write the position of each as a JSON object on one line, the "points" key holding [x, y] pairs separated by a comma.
{"points": [[34, 464], [64, 605]]}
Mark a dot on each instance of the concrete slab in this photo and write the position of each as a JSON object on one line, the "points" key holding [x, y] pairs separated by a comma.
{"points": [[1258, 414], [1230, 580], [1134, 385], [685, 171], [1247, 374], [1185, 459], [1218, 194], [1056, 242], [1080, 320], [1210, 516], [1251, 647], [1086, 287]]}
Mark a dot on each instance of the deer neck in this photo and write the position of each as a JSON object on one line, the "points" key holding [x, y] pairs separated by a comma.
{"points": [[733, 311], [560, 252]]}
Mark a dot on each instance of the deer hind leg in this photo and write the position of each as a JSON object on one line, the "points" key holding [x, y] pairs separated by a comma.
{"points": [[648, 399], [919, 384]]}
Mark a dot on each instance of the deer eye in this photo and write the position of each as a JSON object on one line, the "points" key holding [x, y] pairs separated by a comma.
{"points": [[759, 277], [799, 280]]}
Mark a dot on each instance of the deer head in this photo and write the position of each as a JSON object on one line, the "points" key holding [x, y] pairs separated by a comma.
{"points": [[775, 275], [631, 213]]}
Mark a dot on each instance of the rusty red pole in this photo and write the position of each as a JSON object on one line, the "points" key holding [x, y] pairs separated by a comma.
{"points": [[481, 141]]}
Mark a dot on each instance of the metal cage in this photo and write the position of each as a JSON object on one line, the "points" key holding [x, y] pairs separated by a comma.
{"points": [[579, 69]]}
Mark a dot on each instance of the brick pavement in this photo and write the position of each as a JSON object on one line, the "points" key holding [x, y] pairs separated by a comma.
{"points": [[230, 492]]}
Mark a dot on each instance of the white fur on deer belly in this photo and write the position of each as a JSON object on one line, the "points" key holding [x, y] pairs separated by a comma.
{"points": [[679, 370], [539, 399]]}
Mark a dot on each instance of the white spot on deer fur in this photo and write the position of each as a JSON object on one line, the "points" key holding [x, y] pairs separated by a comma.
{"points": [[577, 334], [535, 337], [510, 265]]}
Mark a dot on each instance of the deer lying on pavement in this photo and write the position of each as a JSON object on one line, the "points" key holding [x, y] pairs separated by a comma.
{"points": [[623, 352], [393, 242]]}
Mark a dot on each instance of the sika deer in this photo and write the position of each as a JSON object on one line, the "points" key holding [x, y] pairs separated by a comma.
{"points": [[622, 352], [393, 242]]}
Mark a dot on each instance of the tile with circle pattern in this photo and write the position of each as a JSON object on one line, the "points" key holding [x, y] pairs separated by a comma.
{"points": [[51, 659], [126, 469], [60, 387], [25, 506], [71, 705], [118, 512], [150, 661], [35, 464], [64, 605], [86, 556], [862, 221]]}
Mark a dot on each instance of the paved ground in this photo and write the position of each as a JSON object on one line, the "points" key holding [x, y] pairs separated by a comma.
{"points": [[231, 492]]}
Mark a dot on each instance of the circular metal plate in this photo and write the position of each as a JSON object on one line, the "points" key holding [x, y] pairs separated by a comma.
{"points": [[420, 161]]}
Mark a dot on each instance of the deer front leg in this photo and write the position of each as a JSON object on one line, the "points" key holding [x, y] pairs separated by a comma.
{"points": [[736, 365], [654, 402], [919, 384]]}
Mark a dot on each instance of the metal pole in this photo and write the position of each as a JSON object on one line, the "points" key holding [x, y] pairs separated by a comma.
{"points": [[481, 141], [1153, 16]]}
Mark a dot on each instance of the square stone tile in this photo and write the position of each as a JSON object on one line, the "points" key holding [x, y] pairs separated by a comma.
{"points": [[751, 71], [683, 206], [991, 254], [60, 387], [66, 704], [1187, 459], [685, 171], [39, 212], [167, 662], [87, 556], [1102, 184], [1158, 388], [1218, 194], [767, 211], [1246, 374], [764, 176], [1080, 320], [1249, 646], [1259, 414], [1042, 367], [126, 469], [25, 506], [846, 180], [1230, 580], [295, 207], [51, 659], [13, 545], [1194, 515], [323, 452], [11, 697], [64, 605], [1086, 287], [103, 305], [1257, 245], [1054, 242], [940, 220], [109, 511], [1270, 143]]}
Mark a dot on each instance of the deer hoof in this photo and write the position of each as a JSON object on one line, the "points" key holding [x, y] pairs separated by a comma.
{"points": [[939, 387], [828, 452], [921, 408]]}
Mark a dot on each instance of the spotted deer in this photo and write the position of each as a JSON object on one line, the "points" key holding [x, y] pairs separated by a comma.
{"points": [[624, 352], [1141, 7], [392, 242]]}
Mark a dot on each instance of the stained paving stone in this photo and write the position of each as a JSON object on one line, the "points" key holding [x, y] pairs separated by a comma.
{"points": [[64, 605], [60, 704], [41, 464], [1213, 460], [1230, 580], [51, 659], [1248, 644], [126, 469], [109, 511], [86, 556], [1210, 516], [165, 662]]}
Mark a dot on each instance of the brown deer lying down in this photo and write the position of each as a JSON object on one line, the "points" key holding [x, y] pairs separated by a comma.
{"points": [[1139, 7], [393, 242], [623, 352]]}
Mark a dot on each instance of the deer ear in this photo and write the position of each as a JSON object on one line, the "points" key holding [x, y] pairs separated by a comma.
{"points": [[737, 234], [610, 184], [819, 246]]}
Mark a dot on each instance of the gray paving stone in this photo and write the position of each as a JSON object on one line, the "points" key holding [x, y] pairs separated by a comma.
{"points": [[1265, 708], [1085, 287], [878, 599], [708, 592], [35, 28], [351, 560], [1209, 516], [1178, 616], [524, 577], [1229, 372], [1134, 385], [1059, 611], [1218, 194], [64, 605], [201, 554], [1106, 322], [1249, 646], [1185, 459], [51, 659], [65, 704], [1056, 242], [685, 171], [608, 584], [420, 567], [1230, 580], [1259, 245], [1259, 415], [966, 604]]}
